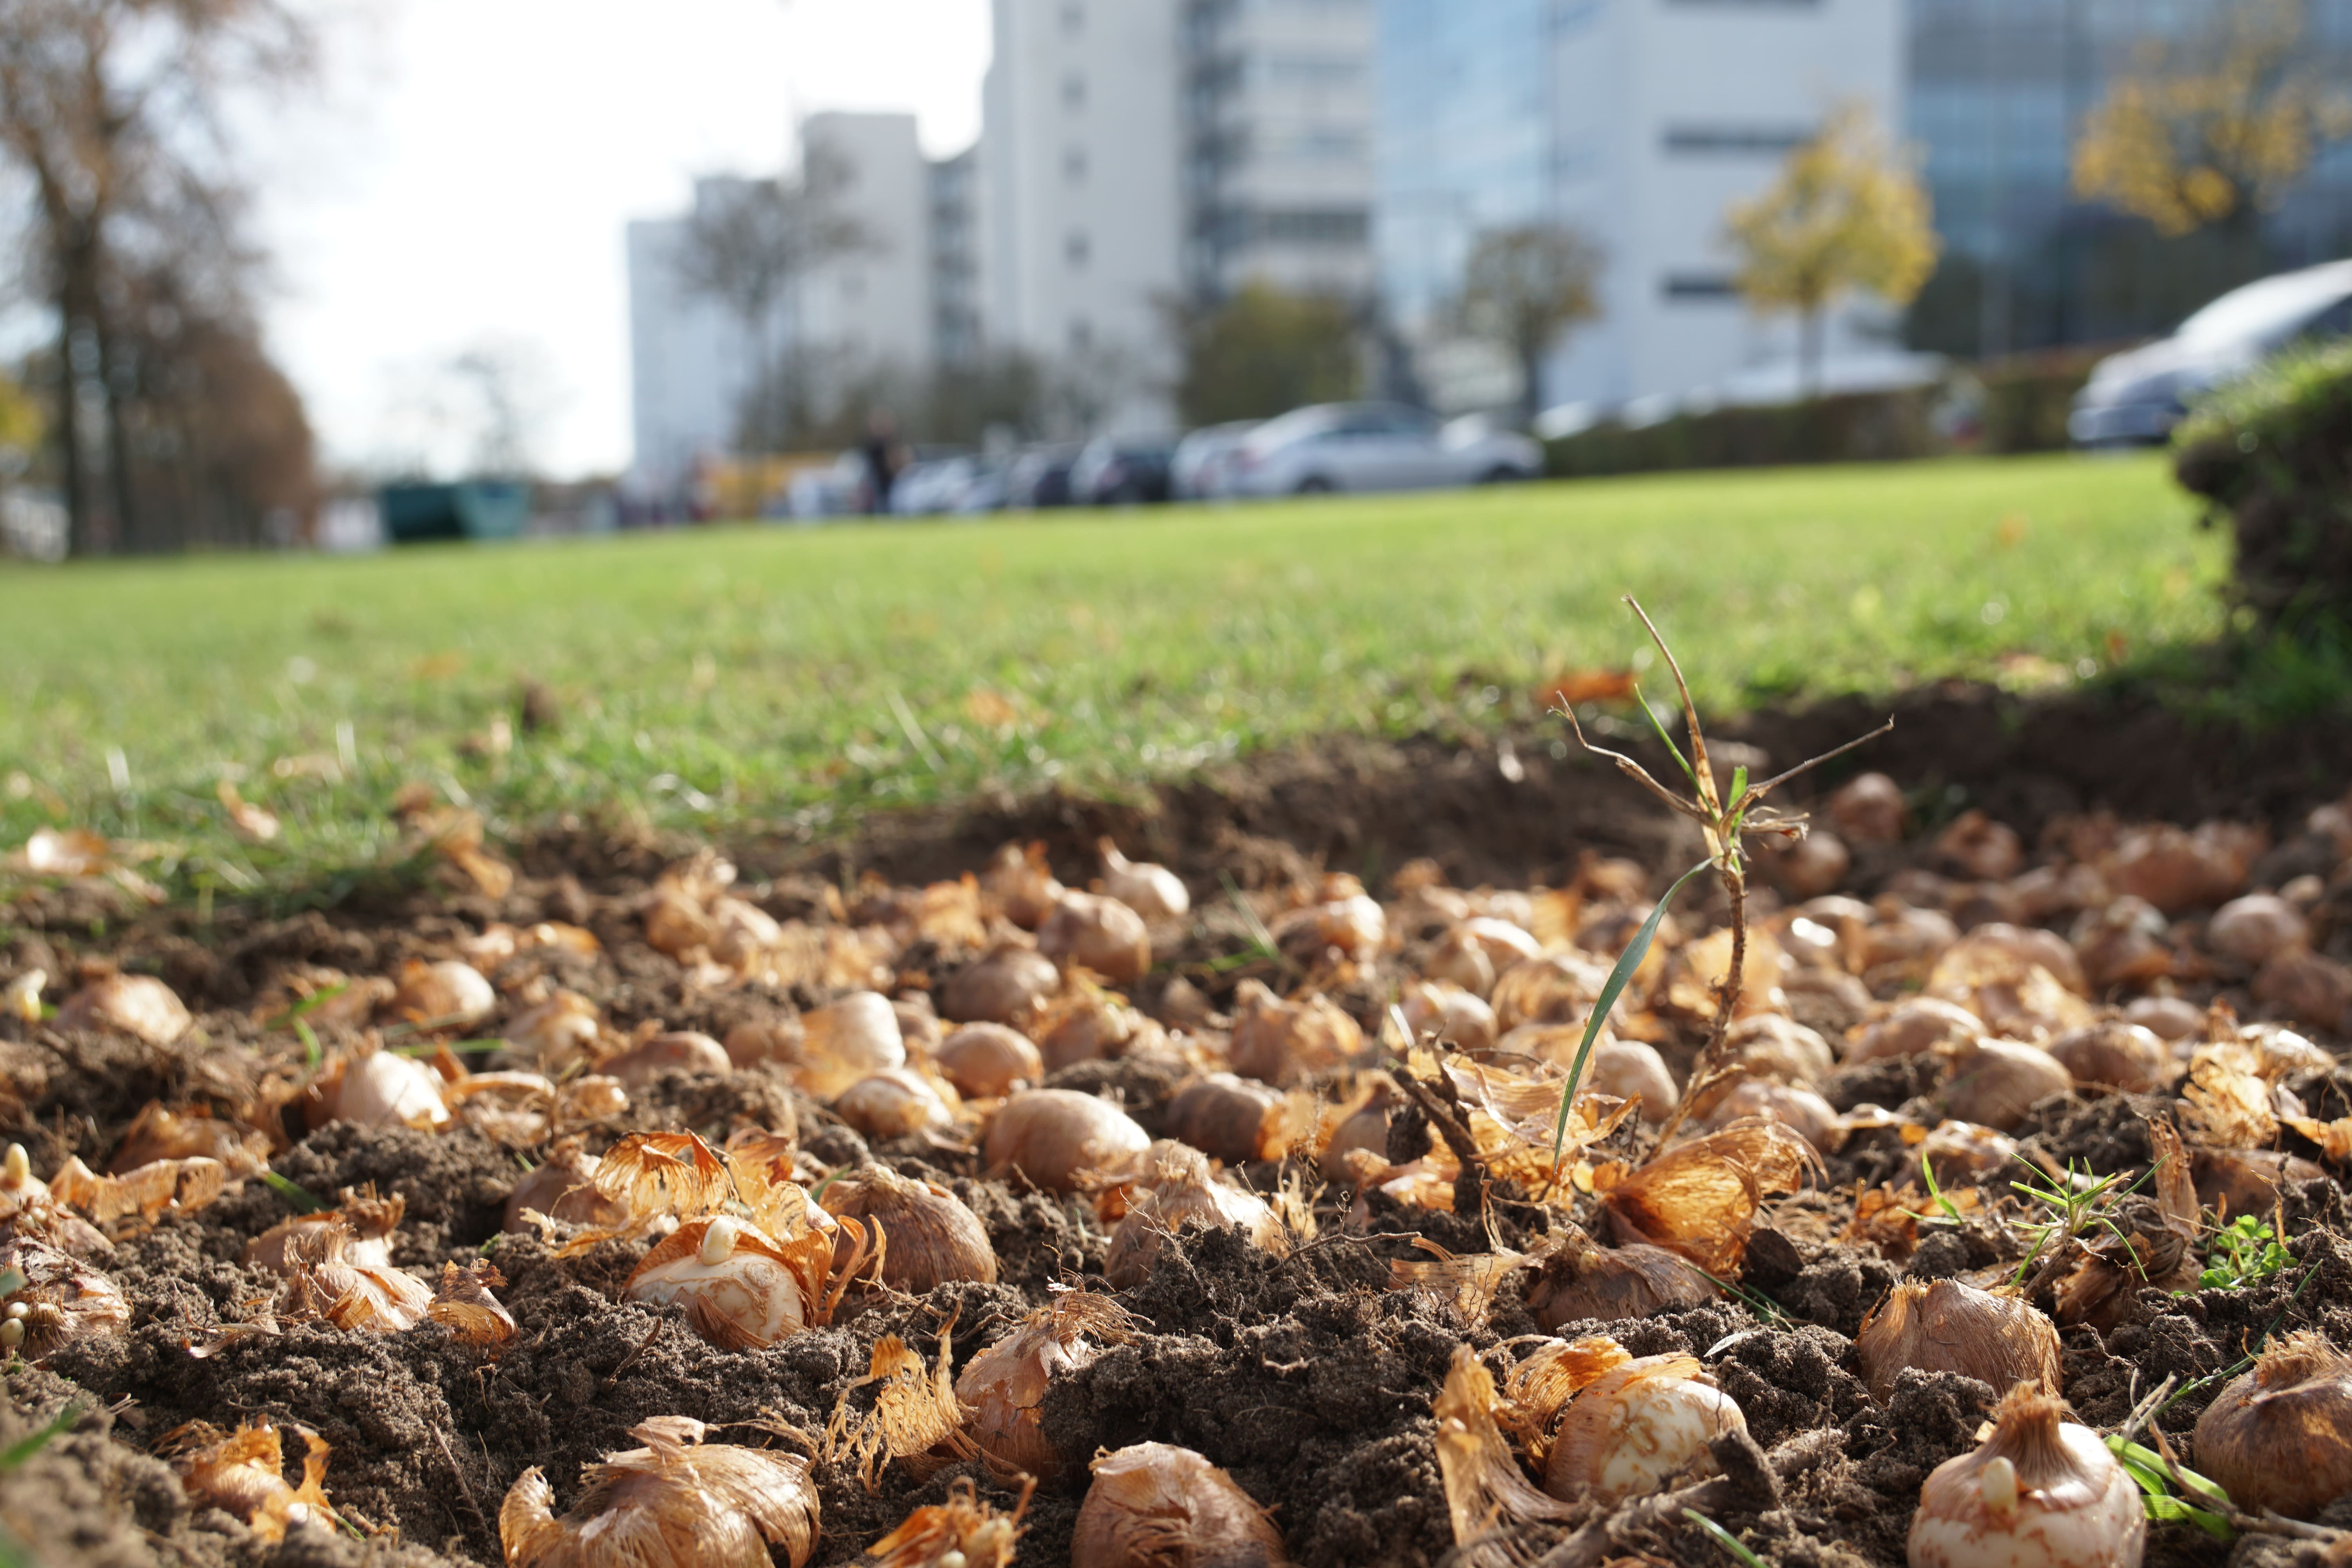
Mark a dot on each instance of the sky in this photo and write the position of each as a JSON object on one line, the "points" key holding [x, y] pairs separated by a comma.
{"points": [[460, 180]]}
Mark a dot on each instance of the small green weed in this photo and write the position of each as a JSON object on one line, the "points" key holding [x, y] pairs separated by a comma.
{"points": [[2241, 1252], [1725, 1539]]}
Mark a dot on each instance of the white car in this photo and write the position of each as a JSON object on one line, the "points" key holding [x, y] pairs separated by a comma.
{"points": [[1197, 471], [1374, 447]]}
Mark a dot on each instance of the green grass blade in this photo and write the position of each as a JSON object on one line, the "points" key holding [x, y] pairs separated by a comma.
{"points": [[1725, 1539], [300, 1199], [24, 1447], [1676, 752], [1627, 962]]}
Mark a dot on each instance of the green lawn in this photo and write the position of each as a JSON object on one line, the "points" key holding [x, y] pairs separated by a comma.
{"points": [[741, 674]]}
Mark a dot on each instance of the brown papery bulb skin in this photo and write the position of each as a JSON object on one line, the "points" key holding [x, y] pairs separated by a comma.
{"points": [[1455, 1016], [737, 1289], [1779, 1047], [1002, 986], [683, 1050], [1062, 1140], [1815, 865], [2280, 1437], [2041, 1492], [1004, 1385], [2116, 1054], [564, 1188], [1154, 1505], [2168, 1018], [1098, 934], [1280, 1042], [756, 1040], [1793, 1105], [1995, 1082], [1919, 1025], [1962, 1153], [989, 1061], [1637, 1426], [677, 1503], [933, 1236], [1583, 1283], [1869, 809], [1949, 1325], [1233, 1119], [2257, 928]]}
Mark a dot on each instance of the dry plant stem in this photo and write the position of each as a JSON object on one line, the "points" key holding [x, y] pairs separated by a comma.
{"points": [[1470, 1186], [1721, 822]]}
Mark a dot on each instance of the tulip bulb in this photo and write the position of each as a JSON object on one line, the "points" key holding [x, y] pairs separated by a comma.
{"points": [[961, 1532], [1779, 1047], [1003, 985], [1454, 1015], [677, 1502], [1152, 891], [932, 1236], [1582, 1281], [2280, 1437], [558, 1032], [377, 1088], [1022, 885], [139, 1006], [1869, 809], [1560, 988], [2116, 1054], [1062, 1141], [1004, 1385], [1182, 1191], [681, 1051], [1948, 1325], [1097, 933], [2257, 928], [2041, 1492], [244, 1472], [1791, 1104], [1352, 924], [1154, 1505], [1637, 1425], [735, 1283], [989, 1061], [1280, 1042], [1919, 1025], [855, 1036], [61, 1300], [1995, 1082], [894, 1104], [1233, 1118], [446, 994]]}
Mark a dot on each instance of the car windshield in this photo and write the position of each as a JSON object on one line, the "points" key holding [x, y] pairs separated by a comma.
{"points": [[2267, 312]]}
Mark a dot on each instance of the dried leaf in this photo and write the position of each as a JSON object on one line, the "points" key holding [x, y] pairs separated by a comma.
{"points": [[244, 1472], [130, 1204], [1699, 1198], [1464, 1286], [251, 823], [914, 1411], [465, 1305], [978, 1534], [1484, 1487], [677, 1503], [2228, 1100]]}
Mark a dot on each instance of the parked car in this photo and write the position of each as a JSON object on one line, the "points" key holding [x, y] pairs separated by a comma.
{"points": [[1041, 476], [1376, 446], [1122, 470], [2135, 398], [1198, 471]]}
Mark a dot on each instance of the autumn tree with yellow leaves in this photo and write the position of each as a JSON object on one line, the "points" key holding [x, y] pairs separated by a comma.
{"points": [[1845, 214], [2215, 130]]}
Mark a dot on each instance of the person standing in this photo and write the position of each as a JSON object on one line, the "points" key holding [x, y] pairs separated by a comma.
{"points": [[885, 455]]}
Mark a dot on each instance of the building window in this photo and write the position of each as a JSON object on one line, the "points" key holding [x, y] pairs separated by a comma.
{"points": [[1326, 225], [1074, 19], [1737, 141], [1074, 91], [1074, 165], [1691, 287], [1077, 249], [1312, 71]]}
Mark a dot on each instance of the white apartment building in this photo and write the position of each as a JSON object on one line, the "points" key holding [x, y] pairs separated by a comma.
{"points": [[692, 361], [1639, 122], [1278, 136], [1079, 225]]}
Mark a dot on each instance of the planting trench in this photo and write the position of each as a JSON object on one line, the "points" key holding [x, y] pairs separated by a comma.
{"points": [[1305, 1376]]}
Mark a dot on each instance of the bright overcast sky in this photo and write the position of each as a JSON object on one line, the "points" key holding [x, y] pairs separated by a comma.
{"points": [[463, 178]]}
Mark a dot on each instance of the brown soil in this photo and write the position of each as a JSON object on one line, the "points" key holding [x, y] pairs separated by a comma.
{"points": [[1305, 1377]]}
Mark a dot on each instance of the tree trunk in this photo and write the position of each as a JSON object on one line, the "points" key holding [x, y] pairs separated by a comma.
{"points": [[118, 444], [1808, 354], [79, 537]]}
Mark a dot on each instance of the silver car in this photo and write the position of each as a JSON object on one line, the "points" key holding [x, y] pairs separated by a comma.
{"points": [[1375, 446], [2135, 398]]}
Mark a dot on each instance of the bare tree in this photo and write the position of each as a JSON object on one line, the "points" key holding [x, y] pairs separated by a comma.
{"points": [[750, 241], [111, 107], [1524, 287]]}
